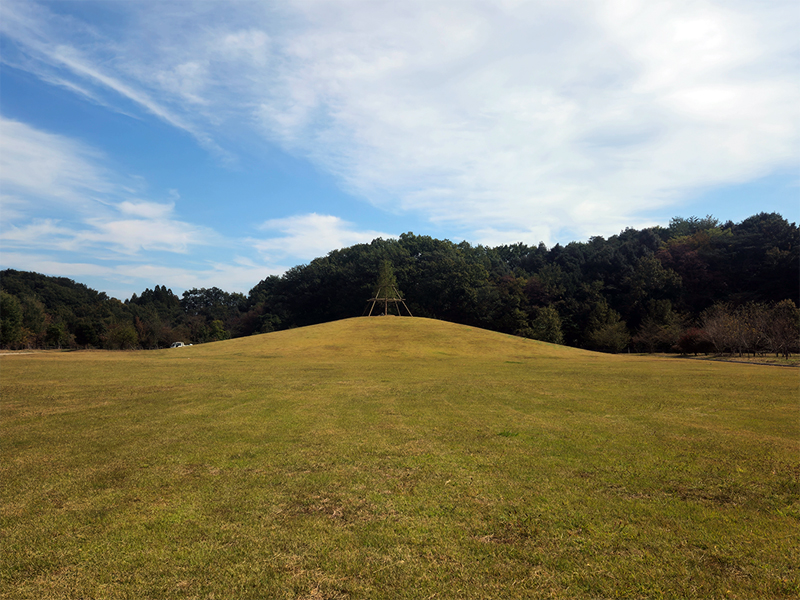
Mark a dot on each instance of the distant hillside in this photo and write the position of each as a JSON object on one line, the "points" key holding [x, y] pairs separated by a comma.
{"points": [[698, 285], [43, 311]]}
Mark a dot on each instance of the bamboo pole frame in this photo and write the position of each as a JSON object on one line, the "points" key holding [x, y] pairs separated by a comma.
{"points": [[386, 299]]}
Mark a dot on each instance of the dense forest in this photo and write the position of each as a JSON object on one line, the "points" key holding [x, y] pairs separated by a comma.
{"points": [[698, 285]]}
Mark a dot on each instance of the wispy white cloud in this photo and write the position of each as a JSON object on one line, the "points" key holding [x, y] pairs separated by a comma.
{"points": [[496, 119], [130, 236], [10, 207], [41, 234], [105, 234], [311, 235], [103, 228], [48, 173], [49, 167], [149, 210], [43, 39]]}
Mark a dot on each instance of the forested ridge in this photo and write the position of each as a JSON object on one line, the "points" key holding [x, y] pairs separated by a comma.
{"points": [[698, 285]]}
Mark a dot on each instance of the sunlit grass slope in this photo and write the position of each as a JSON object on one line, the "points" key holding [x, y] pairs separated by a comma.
{"points": [[396, 458]]}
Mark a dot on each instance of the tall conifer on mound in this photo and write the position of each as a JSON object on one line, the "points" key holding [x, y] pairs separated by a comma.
{"points": [[386, 293]]}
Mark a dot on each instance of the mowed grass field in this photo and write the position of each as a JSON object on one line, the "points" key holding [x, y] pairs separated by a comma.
{"points": [[396, 458]]}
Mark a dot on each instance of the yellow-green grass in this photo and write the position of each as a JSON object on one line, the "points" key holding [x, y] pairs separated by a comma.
{"points": [[396, 458]]}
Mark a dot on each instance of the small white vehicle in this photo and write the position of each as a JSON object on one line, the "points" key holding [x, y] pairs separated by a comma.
{"points": [[177, 345]]}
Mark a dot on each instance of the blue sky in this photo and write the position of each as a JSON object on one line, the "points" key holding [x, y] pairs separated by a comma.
{"points": [[199, 144]]}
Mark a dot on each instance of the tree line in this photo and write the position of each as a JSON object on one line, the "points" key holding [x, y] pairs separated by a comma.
{"points": [[698, 285]]}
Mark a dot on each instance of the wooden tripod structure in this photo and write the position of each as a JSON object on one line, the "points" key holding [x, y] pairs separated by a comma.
{"points": [[386, 295]]}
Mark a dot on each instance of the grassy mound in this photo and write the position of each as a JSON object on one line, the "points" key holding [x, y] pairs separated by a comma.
{"points": [[398, 337], [396, 458]]}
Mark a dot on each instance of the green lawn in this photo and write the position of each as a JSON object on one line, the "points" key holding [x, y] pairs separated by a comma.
{"points": [[396, 458]]}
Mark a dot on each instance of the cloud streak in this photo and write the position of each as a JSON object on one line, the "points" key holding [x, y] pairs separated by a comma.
{"points": [[33, 28], [311, 235], [49, 167], [90, 209]]}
